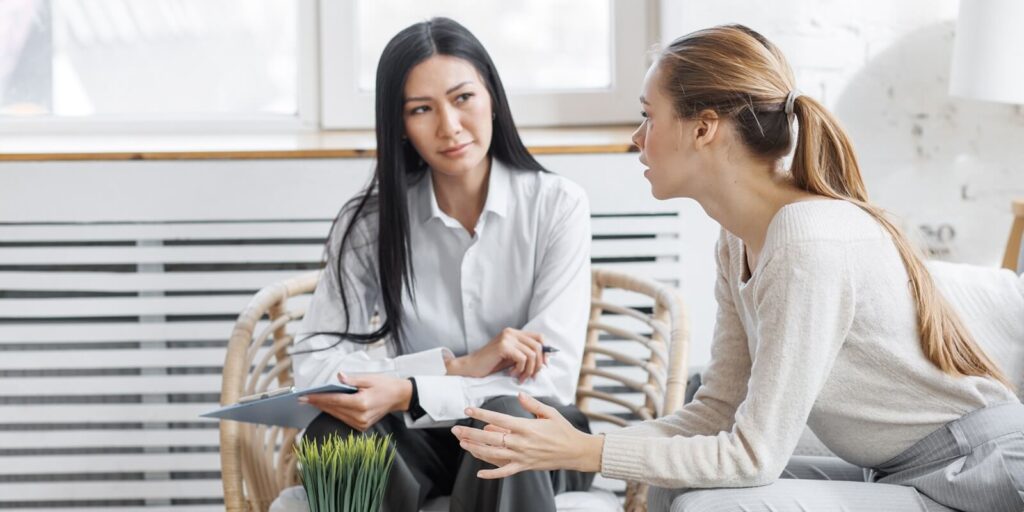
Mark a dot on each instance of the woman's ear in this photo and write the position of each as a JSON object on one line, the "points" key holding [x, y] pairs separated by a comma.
{"points": [[706, 128]]}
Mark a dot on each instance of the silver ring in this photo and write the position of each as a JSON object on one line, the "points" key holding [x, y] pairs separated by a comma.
{"points": [[503, 445]]}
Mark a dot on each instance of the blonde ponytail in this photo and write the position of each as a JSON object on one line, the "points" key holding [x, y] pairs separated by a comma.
{"points": [[824, 164]]}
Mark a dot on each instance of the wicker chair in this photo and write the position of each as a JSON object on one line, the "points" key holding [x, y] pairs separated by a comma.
{"points": [[257, 462], [651, 366]]}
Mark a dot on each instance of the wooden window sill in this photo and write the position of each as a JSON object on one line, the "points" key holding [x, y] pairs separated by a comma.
{"points": [[328, 144]]}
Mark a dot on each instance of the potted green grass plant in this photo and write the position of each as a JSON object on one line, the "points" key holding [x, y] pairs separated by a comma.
{"points": [[346, 475]]}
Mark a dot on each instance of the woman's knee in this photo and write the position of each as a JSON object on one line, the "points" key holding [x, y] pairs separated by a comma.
{"points": [[502, 404], [324, 425], [506, 405], [689, 500]]}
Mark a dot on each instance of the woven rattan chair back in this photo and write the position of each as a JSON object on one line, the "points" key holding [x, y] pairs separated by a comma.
{"points": [[634, 363], [258, 461]]}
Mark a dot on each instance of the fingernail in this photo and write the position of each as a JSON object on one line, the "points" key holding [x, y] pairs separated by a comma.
{"points": [[469, 411], [303, 399]]}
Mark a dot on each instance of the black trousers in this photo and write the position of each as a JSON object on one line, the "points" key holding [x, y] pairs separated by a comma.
{"points": [[430, 463]]}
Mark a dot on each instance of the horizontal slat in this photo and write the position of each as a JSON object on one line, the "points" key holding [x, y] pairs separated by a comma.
{"points": [[132, 255], [131, 306], [107, 438], [110, 385], [175, 508], [254, 230], [113, 358], [104, 413], [117, 463], [622, 225], [105, 490], [224, 281], [239, 254], [103, 332], [136, 282], [187, 305], [257, 230], [165, 358]]}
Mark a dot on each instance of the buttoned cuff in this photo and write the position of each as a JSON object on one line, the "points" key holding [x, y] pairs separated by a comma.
{"points": [[442, 398], [427, 362]]}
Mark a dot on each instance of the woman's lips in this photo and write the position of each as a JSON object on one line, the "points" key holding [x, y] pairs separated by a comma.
{"points": [[456, 150]]}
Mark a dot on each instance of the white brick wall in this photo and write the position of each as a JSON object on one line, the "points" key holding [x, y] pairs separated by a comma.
{"points": [[883, 68]]}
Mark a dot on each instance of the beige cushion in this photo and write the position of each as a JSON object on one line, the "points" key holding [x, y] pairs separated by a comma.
{"points": [[991, 302]]}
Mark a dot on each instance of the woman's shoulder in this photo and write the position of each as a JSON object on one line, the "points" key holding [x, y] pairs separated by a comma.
{"points": [[825, 221]]}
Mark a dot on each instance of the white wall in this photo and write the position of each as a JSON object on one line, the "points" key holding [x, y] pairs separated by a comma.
{"points": [[883, 67]]}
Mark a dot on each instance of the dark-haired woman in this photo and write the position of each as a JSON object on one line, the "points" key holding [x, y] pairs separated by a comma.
{"points": [[827, 318], [476, 260]]}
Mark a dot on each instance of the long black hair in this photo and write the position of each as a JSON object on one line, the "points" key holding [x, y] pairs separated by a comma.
{"points": [[399, 164]]}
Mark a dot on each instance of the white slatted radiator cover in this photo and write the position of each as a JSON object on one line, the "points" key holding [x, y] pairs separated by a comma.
{"points": [[112, 336]]}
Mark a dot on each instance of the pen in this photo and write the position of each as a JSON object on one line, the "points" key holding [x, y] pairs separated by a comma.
{"points": [[548, 349]]}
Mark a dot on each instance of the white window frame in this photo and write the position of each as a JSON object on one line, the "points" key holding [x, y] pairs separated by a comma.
{"points": [[329, 97], [307, 117], [345, 106]]}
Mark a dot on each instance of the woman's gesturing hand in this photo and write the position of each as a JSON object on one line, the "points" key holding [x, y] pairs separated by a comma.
{"points": [[519, 444], [378, 396], [521, 351]]}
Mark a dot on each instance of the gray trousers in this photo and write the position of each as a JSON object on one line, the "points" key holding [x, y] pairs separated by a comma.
{"points": [[973, 464], [430, 463]]}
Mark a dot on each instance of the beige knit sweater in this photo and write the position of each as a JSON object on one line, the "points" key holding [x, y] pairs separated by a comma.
{"points": [[822, 333]]}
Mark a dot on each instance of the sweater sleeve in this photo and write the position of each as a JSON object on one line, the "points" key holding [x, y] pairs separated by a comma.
{"points": [[803, 301], [724, 381]]}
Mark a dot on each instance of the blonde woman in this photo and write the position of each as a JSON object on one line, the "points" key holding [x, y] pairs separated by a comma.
{"points": [[827, 318]]}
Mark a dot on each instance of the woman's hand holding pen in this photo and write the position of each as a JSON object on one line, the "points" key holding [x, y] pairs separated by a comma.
{"points": [[521, 351], [378, 396], [520, 444]]}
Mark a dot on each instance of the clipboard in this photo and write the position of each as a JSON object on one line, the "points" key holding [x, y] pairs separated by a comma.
{"points": [[277, 407]]}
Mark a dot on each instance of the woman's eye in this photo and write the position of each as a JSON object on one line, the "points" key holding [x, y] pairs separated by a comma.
{"points": [[463, 97], [419, 110]]}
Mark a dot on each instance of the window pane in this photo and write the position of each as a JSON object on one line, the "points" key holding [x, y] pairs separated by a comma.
{"points": [[537, 45], [162, 58]]}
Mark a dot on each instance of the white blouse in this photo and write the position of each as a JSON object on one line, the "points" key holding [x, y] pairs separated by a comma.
{"points": [[527, 267]]}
